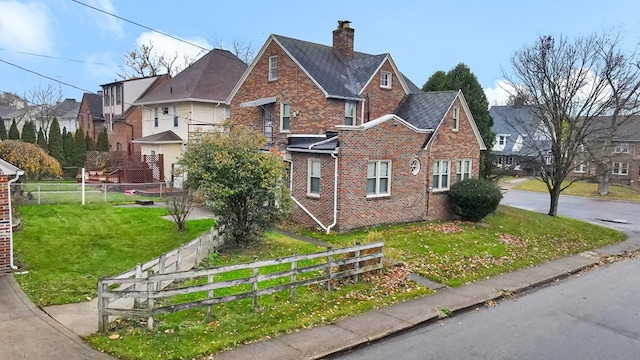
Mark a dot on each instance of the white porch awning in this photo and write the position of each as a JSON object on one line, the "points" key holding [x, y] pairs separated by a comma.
{"points": [[258, 102]]}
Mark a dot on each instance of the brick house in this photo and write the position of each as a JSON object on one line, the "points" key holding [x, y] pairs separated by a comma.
{"points": [[90, 117], [194, 100], [365, 145], [623, 153], [8, 174]]}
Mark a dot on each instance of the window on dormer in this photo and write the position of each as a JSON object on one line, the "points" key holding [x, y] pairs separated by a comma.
{"points": [[385, 79], [621, 149], [273, 68], [349, 112]]}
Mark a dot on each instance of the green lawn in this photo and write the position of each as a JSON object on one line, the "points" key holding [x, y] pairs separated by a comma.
{"points": [[189, 334], [64, 267], [586, 189], [457, 252], [66, 248]]}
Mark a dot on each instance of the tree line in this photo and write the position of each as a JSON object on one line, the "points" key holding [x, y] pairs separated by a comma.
{"points": [[67, 148]]}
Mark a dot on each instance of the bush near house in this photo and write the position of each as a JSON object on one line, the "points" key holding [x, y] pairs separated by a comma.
{"points": [[473, 199]]}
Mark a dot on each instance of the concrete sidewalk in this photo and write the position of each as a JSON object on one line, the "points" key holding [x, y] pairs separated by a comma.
{"points": [[346, 334], [28, 333]]}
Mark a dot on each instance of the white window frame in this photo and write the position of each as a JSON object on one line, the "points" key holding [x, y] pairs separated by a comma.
{"points": [[377, 177], [385, 79], [176, 121], [155, 117], [581, 167], [621, 149], [441, 168], [456, 119], [273, 68], [502, 140], [463, 169], [620, 168], [285, 115], [311, 175], [350, 105]]}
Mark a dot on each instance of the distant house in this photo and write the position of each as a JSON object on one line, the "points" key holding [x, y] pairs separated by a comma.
{"points": [[364, 144], [90, 116], [623, 153], [520, 141], [195, 100]]}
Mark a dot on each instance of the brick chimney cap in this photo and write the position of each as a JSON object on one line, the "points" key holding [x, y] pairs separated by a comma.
{"points": [[343, 24]]}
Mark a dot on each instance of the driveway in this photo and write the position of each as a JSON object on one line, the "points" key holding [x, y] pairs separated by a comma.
{"points": [[26, 332]]}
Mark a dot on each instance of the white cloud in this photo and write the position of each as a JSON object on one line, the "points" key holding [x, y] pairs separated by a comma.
{"points": [[102, 67], [499, 94], [163, 45], [24, 26], [107, 23]]}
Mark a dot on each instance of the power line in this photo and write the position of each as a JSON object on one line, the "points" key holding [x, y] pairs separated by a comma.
{"points": [[45, 76], [142, 26], [56, 58]]}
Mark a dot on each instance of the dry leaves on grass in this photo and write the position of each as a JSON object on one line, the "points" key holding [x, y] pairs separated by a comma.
{"points": [[445, 228], [512, 240]]}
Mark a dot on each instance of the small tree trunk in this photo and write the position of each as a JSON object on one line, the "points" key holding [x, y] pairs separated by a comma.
{"points": [[554, 194], [603, 177]]}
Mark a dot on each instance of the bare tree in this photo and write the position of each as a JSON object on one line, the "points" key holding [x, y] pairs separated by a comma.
{"points": [[242, 49], [179, 205], [146, 61], [43, 101], [569, 86]]}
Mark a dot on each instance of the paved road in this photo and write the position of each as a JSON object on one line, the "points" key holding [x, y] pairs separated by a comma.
{"points": [[593, 316], [591, 210]]}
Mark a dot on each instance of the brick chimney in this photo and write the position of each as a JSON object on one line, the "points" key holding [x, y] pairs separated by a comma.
{"points": [[343, 38]]}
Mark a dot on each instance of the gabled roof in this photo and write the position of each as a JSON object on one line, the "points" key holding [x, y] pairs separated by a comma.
{"points": [[165, 137], [210, 79], [336, 76], [7, 168], [627, 130], [518, 124], [425, 110], [94, 104]]}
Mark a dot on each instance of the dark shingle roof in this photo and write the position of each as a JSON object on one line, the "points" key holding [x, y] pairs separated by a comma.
{"points": [[425, 110], [211, 78], [94, 102], [338, 76], [517, 122], [165, 136]]}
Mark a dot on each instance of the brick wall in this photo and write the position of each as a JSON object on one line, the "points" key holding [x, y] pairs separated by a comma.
{"points": [[5, 226], [315, 113], [124, 130], [321, 207], [448, 144]]}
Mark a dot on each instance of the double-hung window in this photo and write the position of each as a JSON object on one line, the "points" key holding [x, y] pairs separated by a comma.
{"points": [[441, 175], [621, 149], [313, 181], [175, 116], [456, 118], [285, 117], [463, 169], [620, 168], [385, 80], [349, 112], [273, 68], [378, 178], [155, 117]]}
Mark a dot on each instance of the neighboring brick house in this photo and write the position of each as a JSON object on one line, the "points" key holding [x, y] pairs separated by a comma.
{"points": [[366, 146], [8, 174], [623, 153], [90, 117], [195, 100]]}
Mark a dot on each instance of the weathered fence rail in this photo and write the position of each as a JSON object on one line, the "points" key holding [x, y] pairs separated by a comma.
{"points": [[183, 258], [267, 277]]}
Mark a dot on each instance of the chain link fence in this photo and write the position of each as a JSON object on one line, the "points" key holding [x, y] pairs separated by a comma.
{"points": [[76, 193]]}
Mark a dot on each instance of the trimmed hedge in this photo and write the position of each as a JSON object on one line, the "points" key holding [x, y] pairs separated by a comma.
{"points": [[473, 199]]}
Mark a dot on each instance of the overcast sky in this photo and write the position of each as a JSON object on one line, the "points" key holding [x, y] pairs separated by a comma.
{"points": [[84, 47]]}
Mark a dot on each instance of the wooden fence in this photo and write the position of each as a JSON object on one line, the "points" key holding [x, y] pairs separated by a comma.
{"points": [[183, 258], [267, 277]]}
